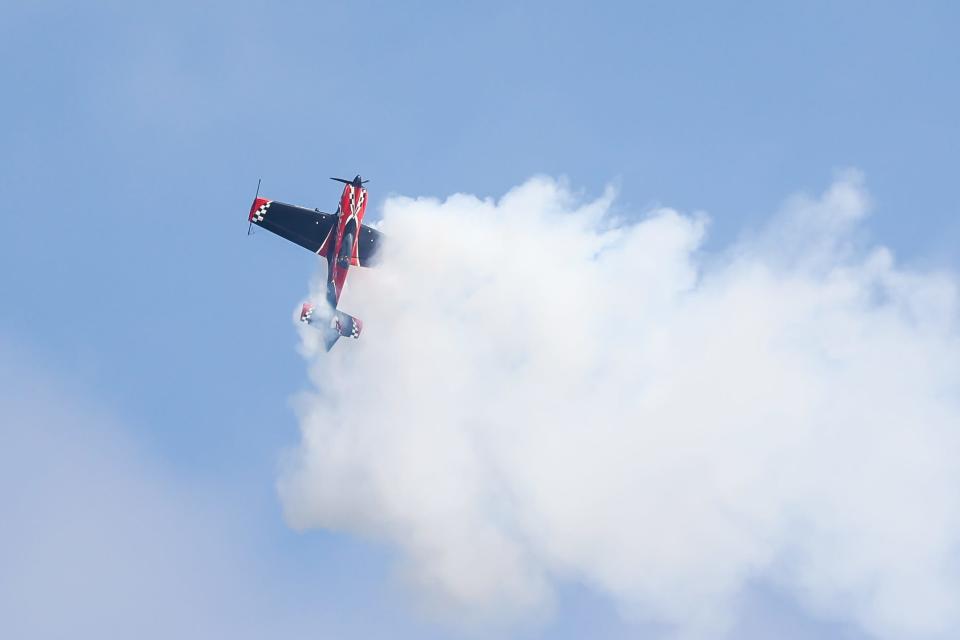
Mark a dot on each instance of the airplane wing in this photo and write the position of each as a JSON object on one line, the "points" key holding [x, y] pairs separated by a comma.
{"points": [[368, 245], [307, 227]]}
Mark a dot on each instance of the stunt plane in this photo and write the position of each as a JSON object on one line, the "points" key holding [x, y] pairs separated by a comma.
{"points": [[340, 237]]}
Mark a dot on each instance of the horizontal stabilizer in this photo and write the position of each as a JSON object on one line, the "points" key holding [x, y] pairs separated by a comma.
{"points": [[333, 322]]}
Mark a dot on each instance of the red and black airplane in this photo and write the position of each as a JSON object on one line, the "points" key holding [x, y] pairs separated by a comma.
{"points": [[340, 237]]}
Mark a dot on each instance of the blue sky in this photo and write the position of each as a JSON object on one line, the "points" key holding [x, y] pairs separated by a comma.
{"points": [[134, 136]]}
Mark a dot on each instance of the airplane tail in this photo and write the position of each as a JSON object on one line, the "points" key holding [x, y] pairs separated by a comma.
{"points": [[334, 323]]}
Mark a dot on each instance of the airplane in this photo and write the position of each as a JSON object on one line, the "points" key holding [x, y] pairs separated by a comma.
{"points": [[340, 237]]}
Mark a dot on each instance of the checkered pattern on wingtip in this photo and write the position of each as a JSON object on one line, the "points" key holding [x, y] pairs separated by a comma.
{"points": [[260, 212]]}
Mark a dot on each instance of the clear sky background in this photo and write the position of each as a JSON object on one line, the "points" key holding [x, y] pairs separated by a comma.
{"points": [[136, 310]]}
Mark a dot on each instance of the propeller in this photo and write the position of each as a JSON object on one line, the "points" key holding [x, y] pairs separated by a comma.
{"points": [[357, 181]]}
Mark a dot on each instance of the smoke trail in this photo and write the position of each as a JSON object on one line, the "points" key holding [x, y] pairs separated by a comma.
{"points": [[545, 392]]}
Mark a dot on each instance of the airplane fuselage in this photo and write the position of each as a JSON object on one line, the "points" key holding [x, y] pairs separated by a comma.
{"points": [[344, 249]]}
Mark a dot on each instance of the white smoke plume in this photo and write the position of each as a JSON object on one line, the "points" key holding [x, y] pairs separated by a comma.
{"points": [[546, 392]]}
